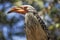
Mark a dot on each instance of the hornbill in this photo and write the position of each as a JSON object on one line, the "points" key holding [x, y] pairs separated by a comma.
{"points": [[30, 11], [25, 9]]}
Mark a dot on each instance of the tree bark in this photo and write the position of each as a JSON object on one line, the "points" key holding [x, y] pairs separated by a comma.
{"points": [[33, 29]]}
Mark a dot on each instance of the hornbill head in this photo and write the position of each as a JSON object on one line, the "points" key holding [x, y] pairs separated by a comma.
{"points": [[26, 9], [23, 9]]}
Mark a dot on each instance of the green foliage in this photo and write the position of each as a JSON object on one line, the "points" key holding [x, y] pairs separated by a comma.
{"points": [[1, 1], [58, 25], [53, 12], [3, 18], [58, 38], [51, 28], [12, 1]]}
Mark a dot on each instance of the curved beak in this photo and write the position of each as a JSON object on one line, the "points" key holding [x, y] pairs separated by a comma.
{"points": [[14, 9], [21, 10]]}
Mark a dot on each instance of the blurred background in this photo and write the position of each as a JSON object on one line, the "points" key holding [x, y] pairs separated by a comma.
{"points": [[12, 25]]}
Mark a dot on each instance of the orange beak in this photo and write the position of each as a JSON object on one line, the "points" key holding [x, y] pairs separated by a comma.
{"points": [[21, 10]]}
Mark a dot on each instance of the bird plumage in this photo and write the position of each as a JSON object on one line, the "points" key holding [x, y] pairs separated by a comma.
{"points": [[26, 9]]}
